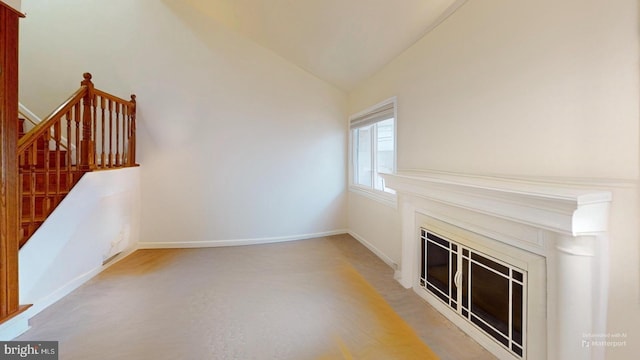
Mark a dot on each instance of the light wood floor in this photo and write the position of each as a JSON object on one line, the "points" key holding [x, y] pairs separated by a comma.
{"points": [[326, 298]]}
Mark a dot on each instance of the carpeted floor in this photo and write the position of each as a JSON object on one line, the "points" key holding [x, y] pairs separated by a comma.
{"points": [[326, 298]]}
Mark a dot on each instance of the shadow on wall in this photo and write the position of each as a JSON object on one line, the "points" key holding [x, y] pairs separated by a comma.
{"points": [[203, 23], [144, 262], [221, 11]]}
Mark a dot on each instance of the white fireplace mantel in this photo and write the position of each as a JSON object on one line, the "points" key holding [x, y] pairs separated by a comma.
{"points": [[574, 215], [570, 210]]}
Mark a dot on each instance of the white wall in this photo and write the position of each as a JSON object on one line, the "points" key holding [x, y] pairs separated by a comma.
{"points": [[16, 4], [235, 143], [376, 225], [525, 88], [537, 78], [97, 220]]}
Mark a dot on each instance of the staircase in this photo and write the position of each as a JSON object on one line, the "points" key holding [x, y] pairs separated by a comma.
{"points": [[41, 189], [92, 130]]}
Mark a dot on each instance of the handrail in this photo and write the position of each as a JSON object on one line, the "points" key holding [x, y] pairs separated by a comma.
{"points": [[34, 119], [37, 131], [28, 115], [91, 130], [109, 96]]}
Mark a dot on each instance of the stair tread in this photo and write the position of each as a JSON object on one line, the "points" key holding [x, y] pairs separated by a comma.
{"points": [[63, 169], [43, 193], [37, 219]]}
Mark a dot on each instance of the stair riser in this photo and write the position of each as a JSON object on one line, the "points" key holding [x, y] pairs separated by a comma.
{"points": [[42, 204], [24, 230], [40, 207]]}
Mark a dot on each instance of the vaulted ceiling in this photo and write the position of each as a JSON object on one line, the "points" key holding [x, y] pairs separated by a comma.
{"points": [[340, 41]]}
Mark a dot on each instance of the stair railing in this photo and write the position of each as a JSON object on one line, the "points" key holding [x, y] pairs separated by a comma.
{"points": [[100, 128], [33, 120]]}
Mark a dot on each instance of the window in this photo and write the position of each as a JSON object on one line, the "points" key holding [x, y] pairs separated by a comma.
{"points": [[373, 149]]}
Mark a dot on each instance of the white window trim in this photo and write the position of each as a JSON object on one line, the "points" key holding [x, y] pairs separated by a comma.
{"points": [[370, 192]]}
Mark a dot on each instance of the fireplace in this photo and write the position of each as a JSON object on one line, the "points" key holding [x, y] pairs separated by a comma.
{"points": [[514, 262], [494, 293]]}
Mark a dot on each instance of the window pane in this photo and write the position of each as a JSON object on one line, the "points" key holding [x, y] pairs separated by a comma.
{"points": [[362, 150], [373, 146], [384, 150]]}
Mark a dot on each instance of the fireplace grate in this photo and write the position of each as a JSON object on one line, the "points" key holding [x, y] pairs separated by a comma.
{"points": [[487, 292]]}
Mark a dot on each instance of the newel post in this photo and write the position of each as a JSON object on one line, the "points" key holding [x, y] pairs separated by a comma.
{"points": [[132, 134], [10, 231], [9, 196], [87, 144]]}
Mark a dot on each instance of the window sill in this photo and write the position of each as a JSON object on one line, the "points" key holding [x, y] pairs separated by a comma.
{"points": [[390, 200]]}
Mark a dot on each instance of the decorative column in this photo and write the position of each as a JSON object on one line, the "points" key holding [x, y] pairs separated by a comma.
{"points": [[574, 302], [409, 251]]}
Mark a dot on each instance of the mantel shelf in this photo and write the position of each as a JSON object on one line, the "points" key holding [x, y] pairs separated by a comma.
{"points": [[575, 209]]}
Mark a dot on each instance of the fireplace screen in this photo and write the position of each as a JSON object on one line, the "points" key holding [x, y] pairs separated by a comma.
{"points": [[485, 291]]}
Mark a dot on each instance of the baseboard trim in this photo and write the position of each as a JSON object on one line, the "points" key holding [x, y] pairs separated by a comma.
{"points": [[66, 289], [237, 242], [387, 260], [15, 326]]}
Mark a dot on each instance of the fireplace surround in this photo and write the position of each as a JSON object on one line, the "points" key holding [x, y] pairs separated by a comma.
{"points": [[555, 231], [493, 291]]}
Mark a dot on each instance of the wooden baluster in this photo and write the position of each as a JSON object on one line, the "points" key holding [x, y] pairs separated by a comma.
{"points": [[103, 153], [132, 138], [46, 172], [33, 160], [70, 145], [79, 146], [94, 120], [110, 133], [125, 133], [23, 166], [57, 134], [118, 112], [21, 190], [87, 148]]}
